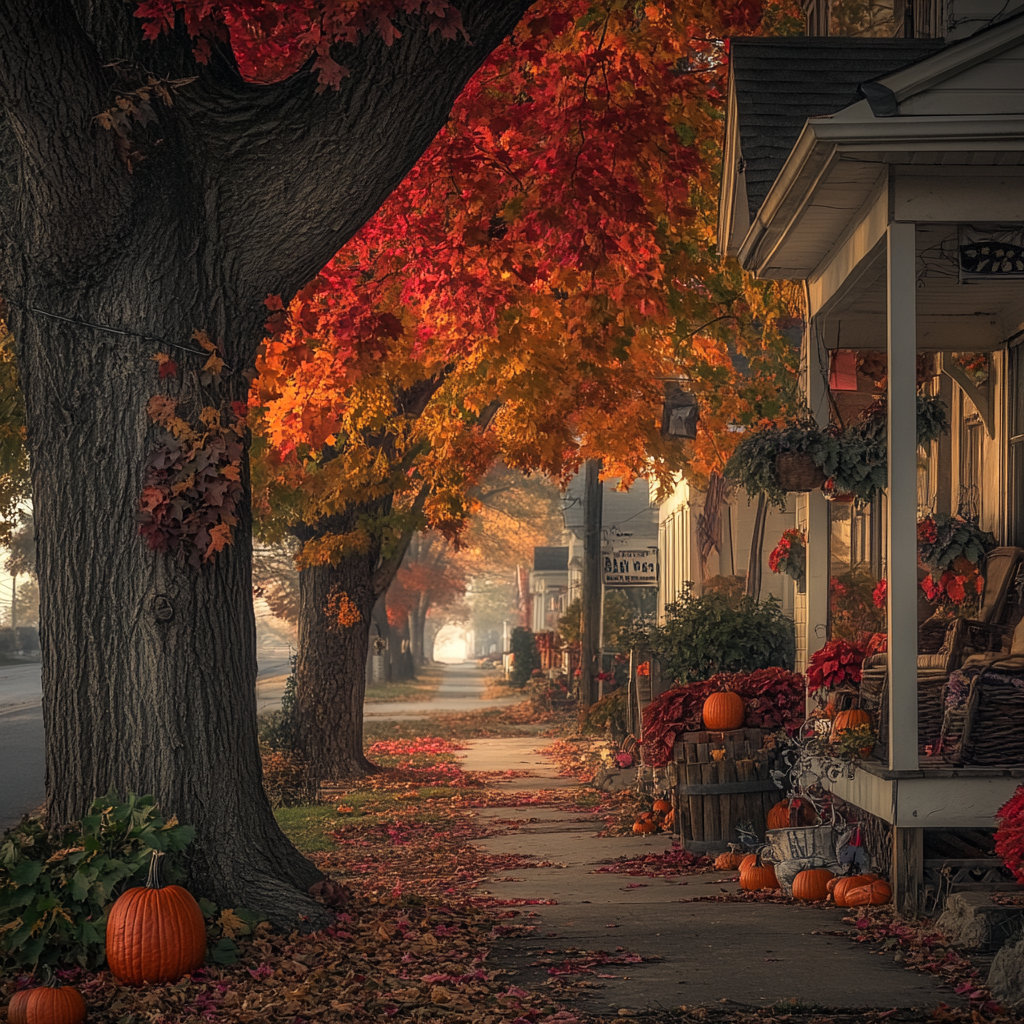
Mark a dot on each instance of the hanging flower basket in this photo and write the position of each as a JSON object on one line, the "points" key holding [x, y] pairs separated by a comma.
{"points": [[797, 472], [789, 556]]}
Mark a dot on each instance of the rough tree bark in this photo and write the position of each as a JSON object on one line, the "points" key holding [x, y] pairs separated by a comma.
{"points": [[330, 672], [242, 191]]}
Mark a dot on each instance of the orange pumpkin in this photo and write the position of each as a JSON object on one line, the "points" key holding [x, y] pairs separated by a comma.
{"points": [[723, 711], [748, 861], [845, 885], [48, 1004], [669, 820], [662, 807], [644, 826], [812, 884], [874, 893], [758, 876], [848, 720], [728, 861], [155, 932], [791, 814]]}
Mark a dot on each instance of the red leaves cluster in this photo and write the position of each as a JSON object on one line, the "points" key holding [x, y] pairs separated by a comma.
{"points": [[193, 482], [773, 698], [1010, 833], [273, 39], [836, 664]]}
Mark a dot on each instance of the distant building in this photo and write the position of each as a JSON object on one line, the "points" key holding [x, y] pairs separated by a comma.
{"points": [[549, 584]]}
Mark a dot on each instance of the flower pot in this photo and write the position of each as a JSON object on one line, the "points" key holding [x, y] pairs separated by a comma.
{"points": [[797, 472]]}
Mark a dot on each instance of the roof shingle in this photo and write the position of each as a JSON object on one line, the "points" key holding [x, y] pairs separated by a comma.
{"points": [[781, 82]]}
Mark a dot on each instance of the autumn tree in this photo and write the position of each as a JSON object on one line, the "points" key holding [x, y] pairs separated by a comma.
{"points": [[153, 196], [521, 296]]}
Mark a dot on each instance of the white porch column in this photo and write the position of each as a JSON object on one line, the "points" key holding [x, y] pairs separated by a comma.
{"points": [[901, 560], [818, 526]]}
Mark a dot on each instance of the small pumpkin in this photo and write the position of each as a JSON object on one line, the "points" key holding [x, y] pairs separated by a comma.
{"points": [[791, 814], [669, 821], [728, 861], [644, 826], [845, 885], [51, 1003], [873, 894], [155, 932], [724, 711], [758, 876], [662, 806], [848, 720], [812, 884]]}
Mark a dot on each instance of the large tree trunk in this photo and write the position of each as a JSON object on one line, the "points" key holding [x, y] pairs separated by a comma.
{"points": [[149, 662], [330, 673]]}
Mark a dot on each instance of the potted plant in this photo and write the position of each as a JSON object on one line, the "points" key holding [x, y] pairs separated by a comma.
{"points": [[951, 548], [789, 556]]}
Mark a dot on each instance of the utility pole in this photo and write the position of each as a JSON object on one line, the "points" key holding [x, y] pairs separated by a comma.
{"points": [[590, 633]]}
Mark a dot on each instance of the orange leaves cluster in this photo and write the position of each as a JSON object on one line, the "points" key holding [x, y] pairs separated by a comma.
{"points": [[544, 265], [341, 610]]}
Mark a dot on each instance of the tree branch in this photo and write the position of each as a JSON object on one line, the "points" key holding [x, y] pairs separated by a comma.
{"points": [[386, 571]]}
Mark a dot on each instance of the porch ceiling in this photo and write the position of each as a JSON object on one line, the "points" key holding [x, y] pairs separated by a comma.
{"points": [[972, 316]]}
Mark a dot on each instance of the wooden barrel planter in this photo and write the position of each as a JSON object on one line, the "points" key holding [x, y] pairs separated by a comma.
{"points": [[713, 795], [797, 472]]}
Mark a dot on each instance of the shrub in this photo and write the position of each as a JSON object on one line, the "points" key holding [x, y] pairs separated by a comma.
{"points": [[28, 639], [525, 656], [56, 888], [8, 640], [277, 728], [702, 636], [286, 778]]}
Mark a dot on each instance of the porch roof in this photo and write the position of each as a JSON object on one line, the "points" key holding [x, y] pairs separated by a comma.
{"points": [[959, 107], [780, 83]]}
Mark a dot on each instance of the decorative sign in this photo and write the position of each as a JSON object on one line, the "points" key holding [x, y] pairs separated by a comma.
{"points": [[991, 253], [631, 567]]}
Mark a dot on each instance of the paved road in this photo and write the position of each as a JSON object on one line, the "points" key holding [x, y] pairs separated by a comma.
{"points": [[22, 764]]}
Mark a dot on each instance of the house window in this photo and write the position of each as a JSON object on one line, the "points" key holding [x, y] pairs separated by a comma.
{"points": [[972, 466]]}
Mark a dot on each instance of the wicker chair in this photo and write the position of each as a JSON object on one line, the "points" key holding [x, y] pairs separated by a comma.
{"points": [[943, 644]]}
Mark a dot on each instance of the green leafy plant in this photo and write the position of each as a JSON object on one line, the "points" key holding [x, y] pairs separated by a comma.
{"points": [[57, 887], [525, 656], [277, 728], [853, 458], [753, 460], [704, 635]]}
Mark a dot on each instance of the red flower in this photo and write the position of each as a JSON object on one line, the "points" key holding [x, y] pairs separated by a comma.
{"points": [[879, 593], [926, 532], [979, 583]]}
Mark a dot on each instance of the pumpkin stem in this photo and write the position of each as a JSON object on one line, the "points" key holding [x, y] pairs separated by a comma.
{"points": [[153, 880]]}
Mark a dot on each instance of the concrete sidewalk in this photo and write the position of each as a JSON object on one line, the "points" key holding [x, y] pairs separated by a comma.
{"points": [[750, 954]]}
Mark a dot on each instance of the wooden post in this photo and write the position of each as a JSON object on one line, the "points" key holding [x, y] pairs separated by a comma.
{"points": [[901, 554], [907, 869], [590, 635], [818, 523]]}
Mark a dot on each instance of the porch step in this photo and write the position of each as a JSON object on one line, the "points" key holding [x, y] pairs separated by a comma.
{"points": [[972, 921]]}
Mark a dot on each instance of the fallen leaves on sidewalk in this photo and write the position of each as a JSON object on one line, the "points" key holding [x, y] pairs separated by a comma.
{"points": [[659, 865]]}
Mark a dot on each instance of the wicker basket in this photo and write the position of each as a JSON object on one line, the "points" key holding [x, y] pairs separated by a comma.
{"points": [[797, 472], [797, 843]]}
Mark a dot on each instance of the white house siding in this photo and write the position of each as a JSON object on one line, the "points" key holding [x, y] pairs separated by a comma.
{"points": [[680, 563], [990, 88]]}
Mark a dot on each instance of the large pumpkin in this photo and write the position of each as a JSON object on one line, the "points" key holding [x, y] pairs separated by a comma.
{"points": [[48, 1004], [876, 892], [848, 720], [758, 876], [791, 814], [845, 885], [812, 884], [723, 711], [155, 933], [747, 861]]}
